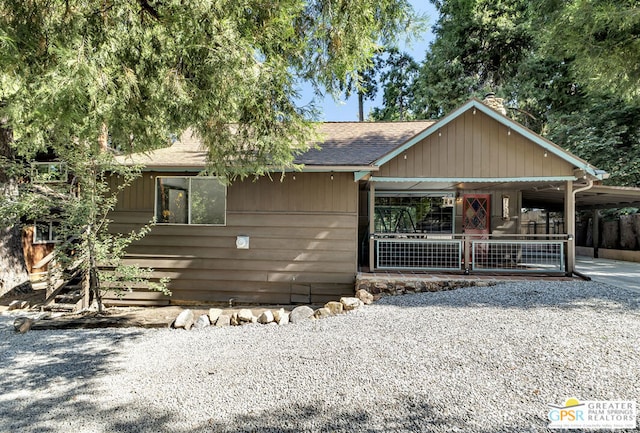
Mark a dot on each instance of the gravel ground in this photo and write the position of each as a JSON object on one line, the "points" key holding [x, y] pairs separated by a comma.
{"points": [[469, 360]]}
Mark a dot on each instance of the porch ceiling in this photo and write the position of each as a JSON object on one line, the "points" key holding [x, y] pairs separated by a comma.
{"points": [[598, 197]]}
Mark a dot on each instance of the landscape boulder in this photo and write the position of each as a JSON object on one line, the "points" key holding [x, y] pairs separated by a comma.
{"points": [[322, 313], [202, 322], [300, 314], [214, 313], [223, 320], [364, 296], [266, 317], [184, 320], [335, 307], [281, 317], [350, 303], [245, 316]]}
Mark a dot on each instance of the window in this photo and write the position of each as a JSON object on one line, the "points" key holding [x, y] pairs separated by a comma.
{"points": [[45, 232], [190, 200], [48, 172], [416, 213]]}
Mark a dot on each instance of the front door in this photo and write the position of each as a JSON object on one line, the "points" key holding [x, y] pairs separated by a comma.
{"points": [[476, 222]]}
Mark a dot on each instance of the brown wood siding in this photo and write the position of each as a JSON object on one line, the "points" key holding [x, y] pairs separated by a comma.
{"points": [[475, 146], [303, 239]]}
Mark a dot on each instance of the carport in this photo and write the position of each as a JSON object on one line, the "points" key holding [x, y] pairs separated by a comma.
{"points": [[594, 199]]}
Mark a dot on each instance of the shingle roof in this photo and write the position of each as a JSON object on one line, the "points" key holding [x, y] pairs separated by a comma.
{"points": [[342, 144], [359, 143]]}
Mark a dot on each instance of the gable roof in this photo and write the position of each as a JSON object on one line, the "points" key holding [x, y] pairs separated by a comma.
{"points": [[360, 147], [475, 104]]}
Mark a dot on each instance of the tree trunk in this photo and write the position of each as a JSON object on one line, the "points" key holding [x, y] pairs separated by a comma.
{"points": [[13, 269]]}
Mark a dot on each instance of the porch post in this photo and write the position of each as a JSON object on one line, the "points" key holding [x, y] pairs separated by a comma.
{"points": [[570, 225], [372, 226], [595, 232]]}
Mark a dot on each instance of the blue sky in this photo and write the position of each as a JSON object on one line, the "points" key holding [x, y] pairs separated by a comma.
{"points": [[346, 110]]}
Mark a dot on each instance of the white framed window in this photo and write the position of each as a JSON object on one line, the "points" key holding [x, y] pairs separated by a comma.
{"points": [[45, 232], [49, 172], [190, 200]]}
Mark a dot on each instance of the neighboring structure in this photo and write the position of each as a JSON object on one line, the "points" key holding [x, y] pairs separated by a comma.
{"points": [[419, 196]]}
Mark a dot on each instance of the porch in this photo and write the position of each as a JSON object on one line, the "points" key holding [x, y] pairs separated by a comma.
{"points": [[396, 282], [488, 253]]}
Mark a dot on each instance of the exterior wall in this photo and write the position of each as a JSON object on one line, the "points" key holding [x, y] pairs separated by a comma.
{"points": [[303, 242], [33, 253], [475, 146]]}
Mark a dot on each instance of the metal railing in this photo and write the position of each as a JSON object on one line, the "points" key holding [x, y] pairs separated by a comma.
{"points": [[517, 256], [419, 254], [492, 253]]}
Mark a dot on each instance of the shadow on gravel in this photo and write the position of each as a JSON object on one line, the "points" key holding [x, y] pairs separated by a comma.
{"points": [[49, 374], [527, 295], [409, 414]]}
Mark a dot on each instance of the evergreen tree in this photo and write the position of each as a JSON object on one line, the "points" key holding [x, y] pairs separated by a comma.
{"points": [[82, 75]]}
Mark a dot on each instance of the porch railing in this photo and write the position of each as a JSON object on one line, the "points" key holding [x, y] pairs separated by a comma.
{"points": [[418, 254], [517, 255], [491, 253]]}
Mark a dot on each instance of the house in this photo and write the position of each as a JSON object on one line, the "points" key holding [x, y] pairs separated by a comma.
{"points": [[427, 196]]}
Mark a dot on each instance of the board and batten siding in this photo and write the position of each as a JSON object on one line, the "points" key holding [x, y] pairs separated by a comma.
{"points": [[303, 242], [475, 146]]}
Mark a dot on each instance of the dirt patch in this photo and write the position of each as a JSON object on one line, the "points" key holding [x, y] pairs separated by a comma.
{"points": [[143, 317], [34, 298]]}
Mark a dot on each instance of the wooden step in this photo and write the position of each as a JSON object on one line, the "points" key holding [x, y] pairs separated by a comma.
{"points": [[61, 308], [68, 298]]}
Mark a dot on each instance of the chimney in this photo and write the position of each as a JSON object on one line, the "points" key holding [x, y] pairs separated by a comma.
{"points": [[490, 100]]}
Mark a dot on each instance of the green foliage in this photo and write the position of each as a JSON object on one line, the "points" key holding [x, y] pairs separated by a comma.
{"points": [[150, 69], [478, 47], [398, 71], [601, 37], [80, 76], [606, 132]]}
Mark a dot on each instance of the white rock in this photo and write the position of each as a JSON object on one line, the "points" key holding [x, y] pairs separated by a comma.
{"points": [[364, 296], [301, 313], [14, 305], [351, 303], [224, 320], [202, 322], [335, 307], [214, 313], [321, 313], [184, 320], [283, 319], [277, 314], [245, 315], [266, 317]]}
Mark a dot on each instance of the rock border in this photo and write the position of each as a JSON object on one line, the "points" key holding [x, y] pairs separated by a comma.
{"points": [[244, 316]]}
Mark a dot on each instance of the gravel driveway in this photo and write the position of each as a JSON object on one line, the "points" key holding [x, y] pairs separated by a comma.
{"points": [[471, 360]]}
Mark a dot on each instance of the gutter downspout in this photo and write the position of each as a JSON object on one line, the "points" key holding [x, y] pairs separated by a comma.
{"points": [[572, 245]]}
